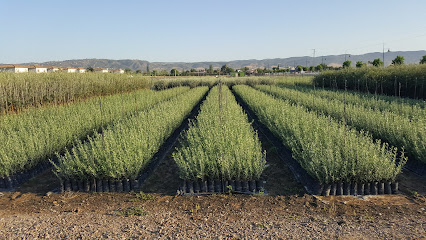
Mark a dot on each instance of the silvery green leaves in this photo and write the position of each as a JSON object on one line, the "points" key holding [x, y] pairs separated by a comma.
{"points": [[36, 134], [124, 149], [220, 144], [327, 149]]}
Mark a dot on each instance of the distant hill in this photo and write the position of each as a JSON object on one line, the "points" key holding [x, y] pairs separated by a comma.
{"points": [[410, 58]]}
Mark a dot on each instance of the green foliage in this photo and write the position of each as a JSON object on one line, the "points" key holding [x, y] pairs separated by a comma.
{"points": [[409, 108], [141, 196], [133, 211], [399, 80], [360, 64], [407, 133], [124, 149], [377, 62], [38, 133], [423, 60], [220, 144], [19, 91], [399, 60], [347, 64], [327, 149]]}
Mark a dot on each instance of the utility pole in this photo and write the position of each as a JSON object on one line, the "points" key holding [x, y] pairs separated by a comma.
{"points": [[383, 54], [313, 60]]}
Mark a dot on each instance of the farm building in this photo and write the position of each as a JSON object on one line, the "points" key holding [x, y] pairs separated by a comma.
{"points": [[101, 70], [117, 70], [52, 69], [37, 69], [81, 70], [13, 68]]}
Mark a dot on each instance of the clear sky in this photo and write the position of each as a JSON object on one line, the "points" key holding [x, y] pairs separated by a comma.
{"points": [[192, 31]]}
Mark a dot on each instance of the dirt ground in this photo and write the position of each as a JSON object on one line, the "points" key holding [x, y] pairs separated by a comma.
{"points": [[285, 211]]}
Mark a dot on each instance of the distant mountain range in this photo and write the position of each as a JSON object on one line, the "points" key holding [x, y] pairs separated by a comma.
{"points": [[334, 60]]}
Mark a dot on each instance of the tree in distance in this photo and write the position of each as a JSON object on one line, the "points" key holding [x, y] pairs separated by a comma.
{"points": [[127, 70], [360, 64], [399, 60], [90, 69], [174, 72], [377, 62], [423, 60], [347, 64]]}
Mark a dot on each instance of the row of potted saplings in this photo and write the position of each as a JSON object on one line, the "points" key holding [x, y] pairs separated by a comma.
{"points": [[219, 186], [327, 149], [354, 188], [220, 144], [101, 185]]}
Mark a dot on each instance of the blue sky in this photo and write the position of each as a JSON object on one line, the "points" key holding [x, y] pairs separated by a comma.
{"points": [[191, 31]]}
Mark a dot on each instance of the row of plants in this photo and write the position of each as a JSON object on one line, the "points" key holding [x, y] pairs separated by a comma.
{"points": [[327, 149], [18, 91], [38, 133], [401, 80], [164, 83], [402, 132], [124, 149], [220, 143], [411, 108]]}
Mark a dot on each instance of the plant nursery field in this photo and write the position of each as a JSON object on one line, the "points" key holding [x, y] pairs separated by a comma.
{"points": [[88, 156]]}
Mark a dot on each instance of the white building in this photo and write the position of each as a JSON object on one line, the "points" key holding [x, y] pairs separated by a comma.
{"points": [[117, 70], [69, 69], [101, 70], [81, 70], [13, 68], [52, 69], [37, 69]]}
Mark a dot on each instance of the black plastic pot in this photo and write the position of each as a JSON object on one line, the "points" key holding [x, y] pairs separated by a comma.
{"points": [[99, 187], [119, 185], [67, 185], [394, 187], [326, 190], [218, 186], [381, 188], [238, 187], [333, 189], [259, 186], [105, 185], [361, 187], [210, 186], [354, 188], [232, 183], [134, 185], [93, 185], [190, 187], [367, 187], [225, 185], [80, 186], [74, 185], [2, 184], [374, 188], [388, 188], [126, 185], [245, 186], [86, 186], [204, 187], [252, 186], [339, 189], [347, 188], [197, 187], [112, 186]]}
